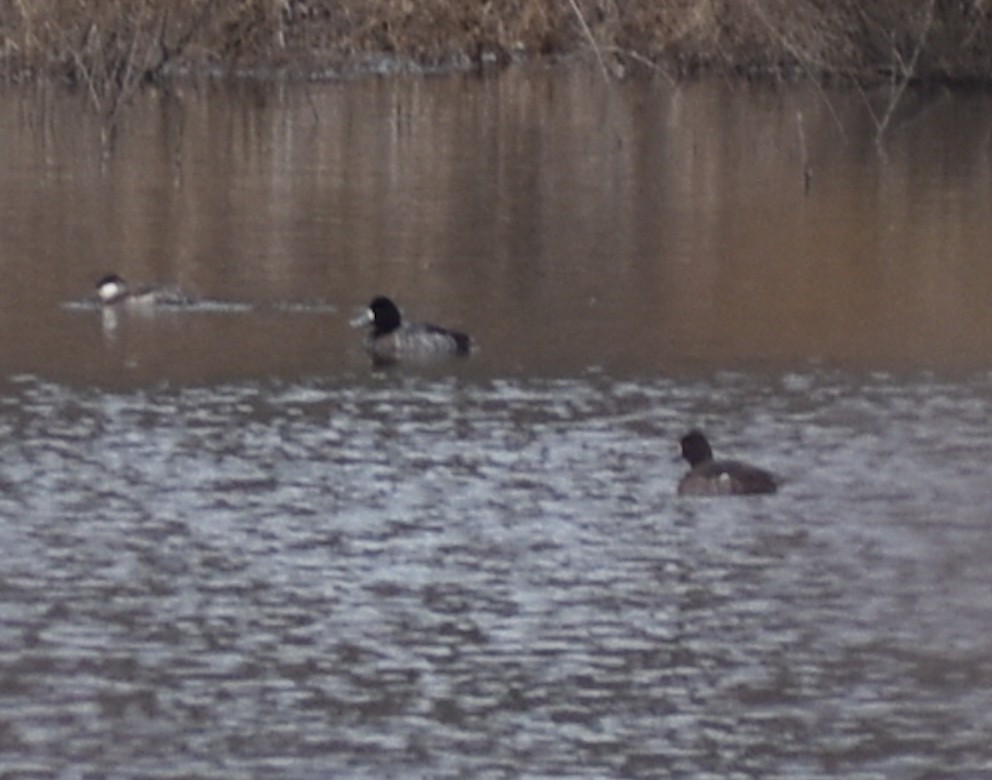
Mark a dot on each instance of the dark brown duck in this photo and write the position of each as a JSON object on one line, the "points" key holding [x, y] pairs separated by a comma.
{"points": [[709, 477]]}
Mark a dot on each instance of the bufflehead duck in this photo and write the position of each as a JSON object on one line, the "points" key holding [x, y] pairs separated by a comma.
{"points": [[709, 477], [391, 339], [112, 289]]}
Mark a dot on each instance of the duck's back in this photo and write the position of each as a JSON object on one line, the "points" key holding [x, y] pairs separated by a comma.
{"points": [[419, 341]]}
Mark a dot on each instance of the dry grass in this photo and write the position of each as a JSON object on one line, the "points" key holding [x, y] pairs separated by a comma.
{"points": [[110, 47]]}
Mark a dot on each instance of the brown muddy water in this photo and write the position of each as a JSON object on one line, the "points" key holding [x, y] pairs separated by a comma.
{"points": [[230, 547]]}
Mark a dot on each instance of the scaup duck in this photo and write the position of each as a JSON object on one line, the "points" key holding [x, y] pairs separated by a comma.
{"points": [[391, 340]]}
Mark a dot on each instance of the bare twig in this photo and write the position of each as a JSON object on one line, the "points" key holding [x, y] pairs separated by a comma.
{"points": [[84, 71], [802, 58], [804, 155], [592, 40], [907, 71], [183, 40], [645, 61]]}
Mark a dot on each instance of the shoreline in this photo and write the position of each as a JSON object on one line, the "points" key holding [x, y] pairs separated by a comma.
{"points": [[111, 49]]}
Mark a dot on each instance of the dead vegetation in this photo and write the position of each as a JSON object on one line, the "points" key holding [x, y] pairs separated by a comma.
{"points": [[110, 47]]}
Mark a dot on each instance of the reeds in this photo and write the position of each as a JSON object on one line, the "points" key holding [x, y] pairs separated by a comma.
{"points": [[109, 47]]}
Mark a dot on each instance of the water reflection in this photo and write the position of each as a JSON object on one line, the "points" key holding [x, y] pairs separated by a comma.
{"points": [[567, 222]]}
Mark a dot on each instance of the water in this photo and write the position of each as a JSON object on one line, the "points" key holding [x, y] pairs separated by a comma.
{"points": [[229, 547]]}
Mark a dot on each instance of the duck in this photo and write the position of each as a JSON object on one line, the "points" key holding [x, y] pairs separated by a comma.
{"points": [[392, 340], [112, 290], [709, 477]]}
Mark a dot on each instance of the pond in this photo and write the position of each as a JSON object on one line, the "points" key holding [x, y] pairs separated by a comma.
{"points": [[230, 546]]}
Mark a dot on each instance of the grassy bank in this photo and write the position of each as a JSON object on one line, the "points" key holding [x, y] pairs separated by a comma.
{"points": [[111, 46]]}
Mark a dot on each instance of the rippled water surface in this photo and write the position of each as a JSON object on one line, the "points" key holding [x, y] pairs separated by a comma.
{"points": [[230, 547], [437, 577]]}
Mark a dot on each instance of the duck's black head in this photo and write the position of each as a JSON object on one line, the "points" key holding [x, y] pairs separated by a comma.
{"points": [[695, 448], [386, 316]]}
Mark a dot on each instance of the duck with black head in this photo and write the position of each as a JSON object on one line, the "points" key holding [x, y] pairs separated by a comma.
{"points": [[709, 477], [391, 339]]}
